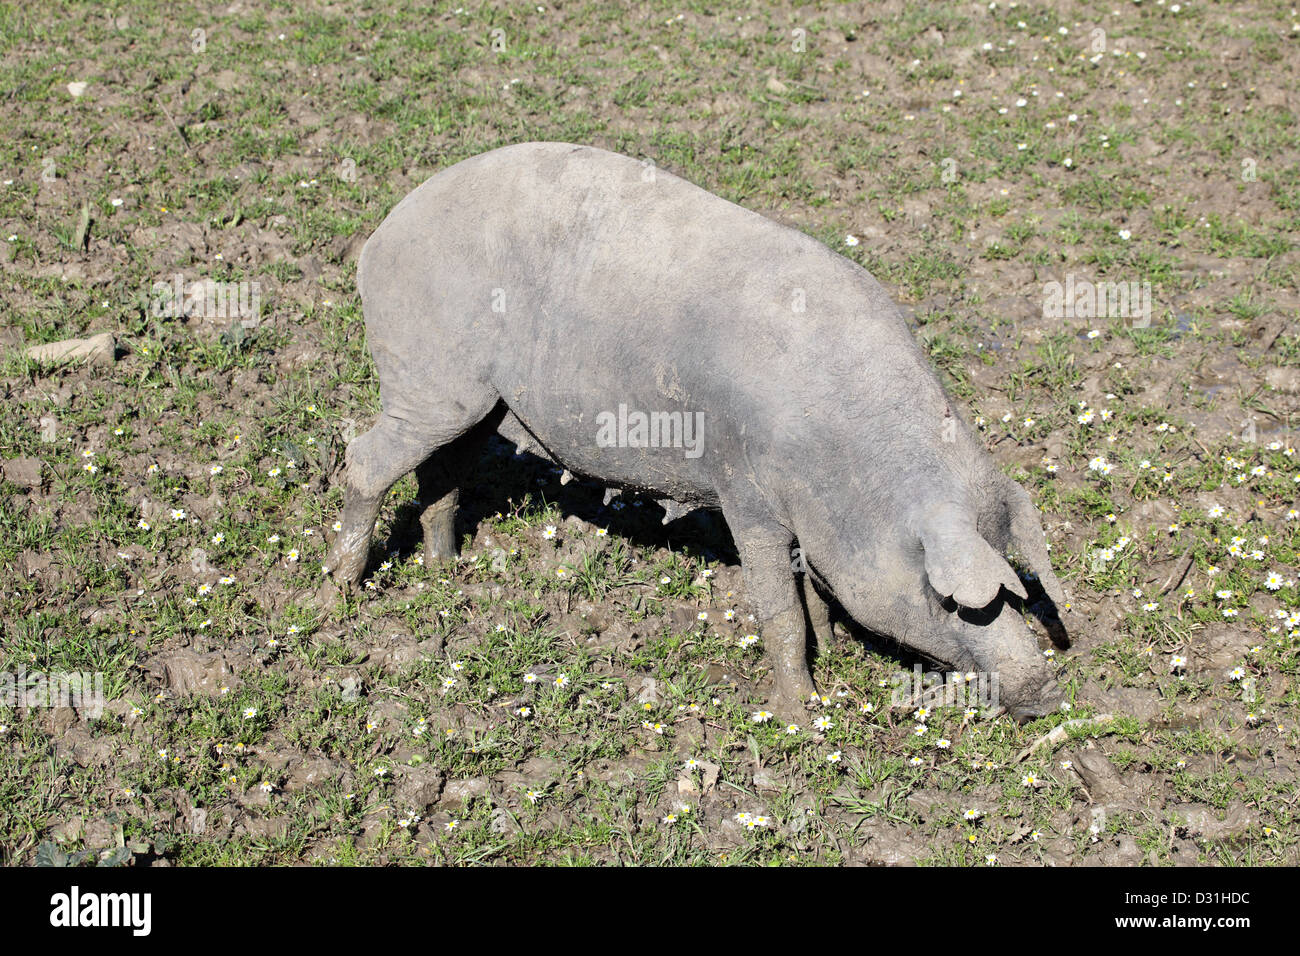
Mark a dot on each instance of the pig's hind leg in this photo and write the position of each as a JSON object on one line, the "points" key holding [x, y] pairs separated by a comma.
{"points": [[397, 445]]}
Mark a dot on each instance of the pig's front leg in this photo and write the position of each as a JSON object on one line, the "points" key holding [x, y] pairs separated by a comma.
{"points": [[440, 477], [770, 581]]}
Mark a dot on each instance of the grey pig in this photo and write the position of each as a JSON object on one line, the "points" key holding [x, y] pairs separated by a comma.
{"points": [[540, 290]]}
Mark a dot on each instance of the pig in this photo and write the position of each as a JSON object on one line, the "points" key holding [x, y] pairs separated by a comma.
{"points": [[565, 296]]}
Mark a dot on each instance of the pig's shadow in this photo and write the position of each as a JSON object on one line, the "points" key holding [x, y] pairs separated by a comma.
{"points": [[502, 477]]}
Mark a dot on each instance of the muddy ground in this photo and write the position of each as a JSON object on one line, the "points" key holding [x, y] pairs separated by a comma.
{"points": [[578, 687]]}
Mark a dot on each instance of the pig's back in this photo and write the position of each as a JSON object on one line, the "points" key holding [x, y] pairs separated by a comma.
{"points": [[574, 280]]}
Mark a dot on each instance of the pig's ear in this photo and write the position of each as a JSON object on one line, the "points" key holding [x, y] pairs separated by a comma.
{"points": [[1029, 542], [962, 565]]}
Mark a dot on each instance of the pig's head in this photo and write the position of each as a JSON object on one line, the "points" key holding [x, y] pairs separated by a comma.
{"points": [[962, 554], [996, 641], [939, 584]]}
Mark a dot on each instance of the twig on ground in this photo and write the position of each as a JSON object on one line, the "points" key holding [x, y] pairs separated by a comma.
{"points": [[1056, 735]]}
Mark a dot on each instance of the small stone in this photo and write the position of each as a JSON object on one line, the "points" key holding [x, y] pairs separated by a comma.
{"points": [[461, 792], [199, 563], [418, 788], [350, 688], [503, 823], [98, 350], [648, 691], [24, 472]]}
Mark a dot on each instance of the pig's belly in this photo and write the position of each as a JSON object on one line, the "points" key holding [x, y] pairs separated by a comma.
{"points": [[668, 451]]}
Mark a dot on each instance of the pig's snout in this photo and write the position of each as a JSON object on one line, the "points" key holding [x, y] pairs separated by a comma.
{"points": [[1007, 649], [1037, 704]]}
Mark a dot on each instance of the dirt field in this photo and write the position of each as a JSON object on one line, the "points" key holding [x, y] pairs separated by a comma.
{"points": [[166, 504]]}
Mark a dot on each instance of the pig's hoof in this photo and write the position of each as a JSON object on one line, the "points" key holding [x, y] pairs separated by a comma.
{"points": [[792, 699], [325, 596], [344, 566]]}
